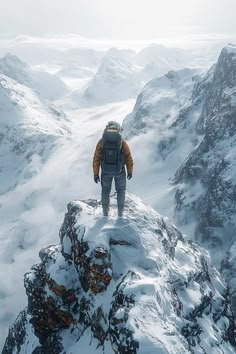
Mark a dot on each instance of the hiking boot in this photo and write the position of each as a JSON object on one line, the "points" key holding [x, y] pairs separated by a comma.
{"points": [[105, 211], [120, 213]]}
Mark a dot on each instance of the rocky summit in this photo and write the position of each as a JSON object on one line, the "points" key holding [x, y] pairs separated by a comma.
{"points": [[131, 285]]}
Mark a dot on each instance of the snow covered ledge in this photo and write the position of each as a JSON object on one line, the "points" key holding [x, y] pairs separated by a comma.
{"points": [[132, 285]]}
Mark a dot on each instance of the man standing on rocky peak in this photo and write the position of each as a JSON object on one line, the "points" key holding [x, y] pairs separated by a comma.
{"points": [[112, 154]]}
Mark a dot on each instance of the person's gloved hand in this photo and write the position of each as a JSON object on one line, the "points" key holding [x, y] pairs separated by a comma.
{"points": [[129, 176], [96, 179]]}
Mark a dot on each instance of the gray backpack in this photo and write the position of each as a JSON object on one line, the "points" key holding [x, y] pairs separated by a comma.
{"points": [[112, 153]]}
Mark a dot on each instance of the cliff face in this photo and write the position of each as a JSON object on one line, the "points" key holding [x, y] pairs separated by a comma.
{"points": [[206, 180], [127, 285], [187, 125]]}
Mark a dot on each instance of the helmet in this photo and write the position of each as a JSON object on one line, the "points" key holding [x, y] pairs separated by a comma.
{"points": [[114, 126]]}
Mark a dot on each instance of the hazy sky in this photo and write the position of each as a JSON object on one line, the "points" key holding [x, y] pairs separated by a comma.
{"points": [[118, 19]]}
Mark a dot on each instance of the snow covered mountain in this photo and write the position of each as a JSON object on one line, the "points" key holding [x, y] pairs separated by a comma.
{"points": [[189, 136], [159, 102], [117, 79], [123, 73], [30, 128], [165, 58], [123, 286], [208, 174], [47, 85], [157, 136]]}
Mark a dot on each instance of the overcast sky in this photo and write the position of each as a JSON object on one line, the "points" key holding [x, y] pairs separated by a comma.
{"points": [[118, 19]]}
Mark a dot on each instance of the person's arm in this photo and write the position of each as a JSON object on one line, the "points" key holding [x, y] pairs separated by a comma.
{"points": [[97, 158], [128, 159]]}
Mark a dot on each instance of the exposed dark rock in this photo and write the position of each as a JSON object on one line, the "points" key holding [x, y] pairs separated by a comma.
{"points": [[17, 334]]}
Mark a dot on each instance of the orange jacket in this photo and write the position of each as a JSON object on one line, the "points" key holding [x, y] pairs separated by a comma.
{"points": [[98, 156]]}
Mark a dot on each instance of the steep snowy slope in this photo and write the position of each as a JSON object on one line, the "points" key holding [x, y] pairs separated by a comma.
{"points": [[117, 79], [206, 180], [152, 70], [47, 85], [161, 132], [131, 285], [30, 127], [160, 101]]}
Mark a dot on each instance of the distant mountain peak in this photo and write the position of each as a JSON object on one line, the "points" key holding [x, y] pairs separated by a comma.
{"points": [[13, 62], [116, 79]]}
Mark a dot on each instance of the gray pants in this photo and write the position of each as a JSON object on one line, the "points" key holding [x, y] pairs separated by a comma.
{"points": [[120, 185]]}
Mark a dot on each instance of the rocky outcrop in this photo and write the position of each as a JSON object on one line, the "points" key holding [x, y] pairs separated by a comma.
{"points": [[122, 286]]}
